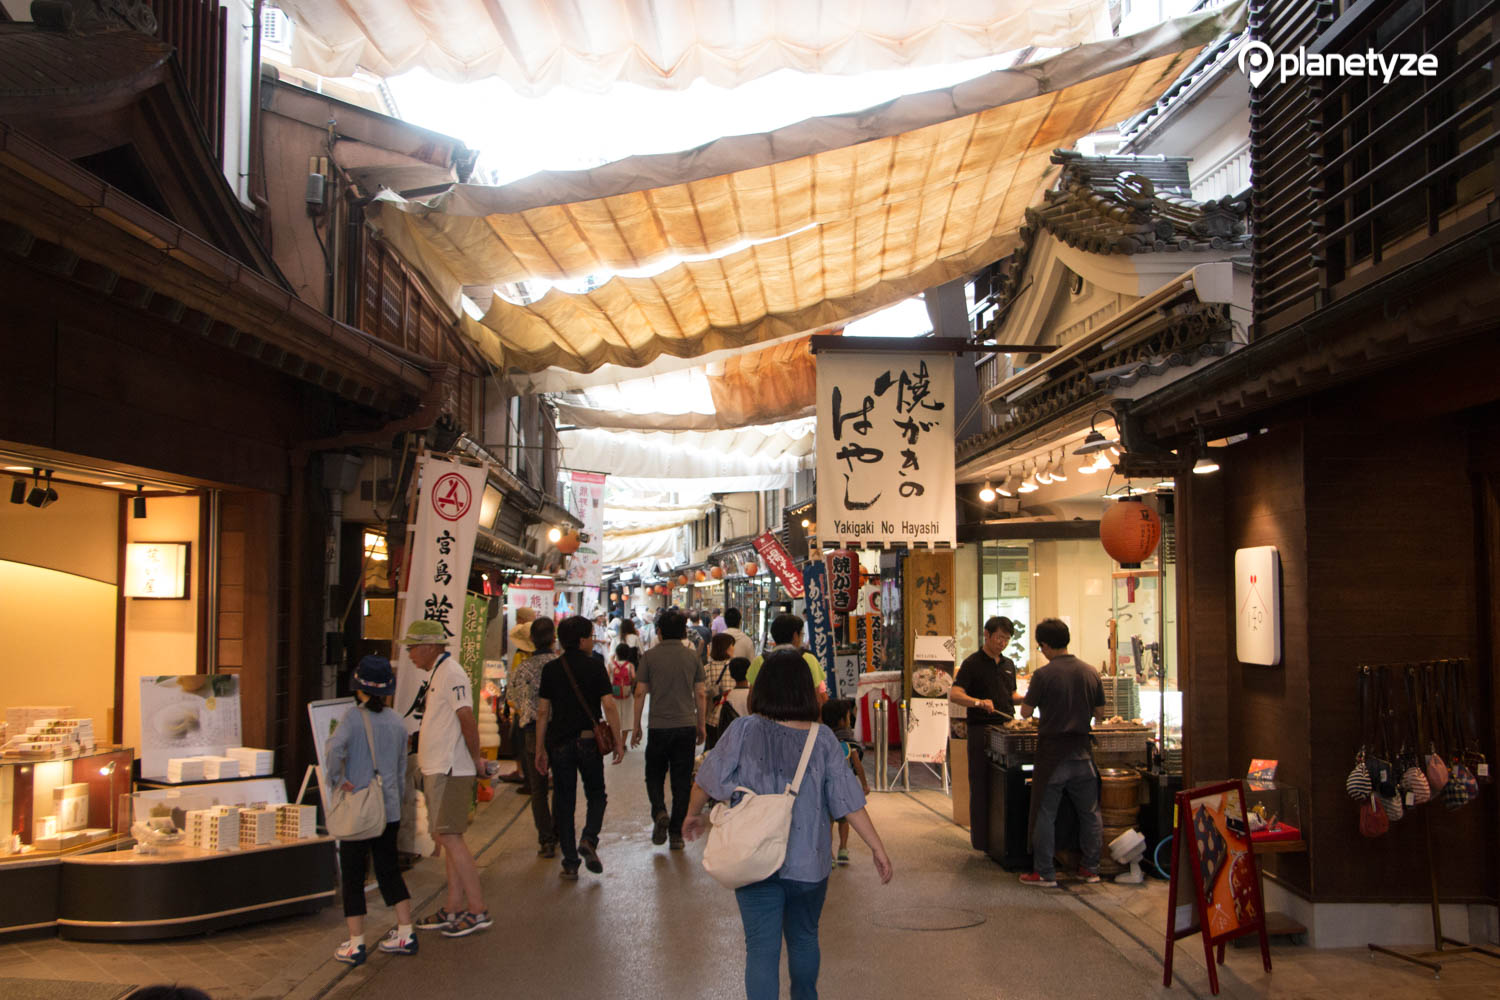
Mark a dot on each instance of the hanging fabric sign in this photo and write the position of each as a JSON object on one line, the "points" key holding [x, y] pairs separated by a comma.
{"points": [[843, 580], [885, 448], [775, 555], [441, 551], [820, 621], [586, 502], [471, 645]]}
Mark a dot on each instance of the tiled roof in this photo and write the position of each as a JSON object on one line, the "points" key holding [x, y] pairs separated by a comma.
{"points": [[1124, 205], [1201, 66]]}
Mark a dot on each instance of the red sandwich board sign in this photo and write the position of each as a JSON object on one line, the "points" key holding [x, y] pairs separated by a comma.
{"points": [[1215, 888]]}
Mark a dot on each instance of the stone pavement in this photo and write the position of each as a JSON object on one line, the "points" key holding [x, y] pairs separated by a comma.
{"points": [[951, 924]]}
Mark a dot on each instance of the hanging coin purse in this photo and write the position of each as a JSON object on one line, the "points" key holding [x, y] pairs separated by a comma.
{"points": [[1415, 783], [1358, 782], [1372, 819], [1461, 788], [1437, 772]]}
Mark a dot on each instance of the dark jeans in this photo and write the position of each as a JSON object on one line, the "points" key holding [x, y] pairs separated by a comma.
{"points": [[979, 787], [770, 910], [1080, 782], [536, 784], [352, 857], [670, 749], [569, 761]]}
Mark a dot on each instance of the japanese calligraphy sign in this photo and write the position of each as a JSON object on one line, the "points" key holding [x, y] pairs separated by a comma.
{"points": [[775, 555], [437, 571], [471, 642], [885, 448], [820, 621], [843, 580], [586, 502], [928, 601]]}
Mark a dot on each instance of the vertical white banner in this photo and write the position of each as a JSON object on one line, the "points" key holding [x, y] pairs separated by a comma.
{"points": [[441, 552], [885, 448], [586, 567]]}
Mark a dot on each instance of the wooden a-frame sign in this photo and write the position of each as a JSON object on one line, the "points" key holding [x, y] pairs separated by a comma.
{"points": [[1215, 887]]}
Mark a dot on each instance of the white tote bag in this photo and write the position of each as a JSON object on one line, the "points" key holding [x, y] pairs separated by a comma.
{"points": [[360, 814], [748, 840]]}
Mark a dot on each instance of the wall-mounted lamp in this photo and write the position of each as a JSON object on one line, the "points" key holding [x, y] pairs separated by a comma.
{"points": [[553, 535], [1205, 464], [987, 493], [138, 505], [42, 496], [18, 491]]}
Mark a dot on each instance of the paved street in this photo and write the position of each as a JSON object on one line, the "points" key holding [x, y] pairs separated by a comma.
{"points": [[951, 924]]}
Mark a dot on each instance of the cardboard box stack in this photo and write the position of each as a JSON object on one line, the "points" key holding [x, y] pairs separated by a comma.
{"points": [[253, 762], [296, 822], [214, 829], [257, 826]]}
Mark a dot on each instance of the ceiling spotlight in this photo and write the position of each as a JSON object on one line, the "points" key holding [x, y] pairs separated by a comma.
{"points": [[43, 496], [1028, 484], [1087, 468], [1059, 469], [1095, 441], [1044, 474], [987, 494], [1166, 484], [554, 534], [1102, 462], [806, 522], [138, 505], [1010, 487], [18, 491], [1204, 466]]}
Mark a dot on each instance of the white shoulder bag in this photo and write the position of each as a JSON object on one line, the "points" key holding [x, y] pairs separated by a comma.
{"points": [[748, 840], [360, 814]]}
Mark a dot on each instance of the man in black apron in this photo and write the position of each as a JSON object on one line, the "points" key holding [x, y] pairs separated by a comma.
{"points": [[986, 688], [1068, 692]]}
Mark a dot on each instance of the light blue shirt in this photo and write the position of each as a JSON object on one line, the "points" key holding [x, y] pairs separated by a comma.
{"points": [[349, 755], [762, 754]]}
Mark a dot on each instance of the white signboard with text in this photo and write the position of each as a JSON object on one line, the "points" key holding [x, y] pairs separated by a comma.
{"points": [[586, 502], [1257, 601], [441, 551], [885, 448]]}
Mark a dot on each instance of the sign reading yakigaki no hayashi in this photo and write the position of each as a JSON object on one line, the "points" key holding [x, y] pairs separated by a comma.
{"points": [[885, 448]]}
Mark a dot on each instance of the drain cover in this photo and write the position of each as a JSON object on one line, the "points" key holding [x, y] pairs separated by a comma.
{"points": [[928, 918]]}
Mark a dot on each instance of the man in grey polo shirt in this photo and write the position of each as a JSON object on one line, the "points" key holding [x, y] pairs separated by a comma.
{"points": [[672, 674]]}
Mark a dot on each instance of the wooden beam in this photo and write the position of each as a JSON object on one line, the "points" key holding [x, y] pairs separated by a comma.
{"points": [[927, 345]]}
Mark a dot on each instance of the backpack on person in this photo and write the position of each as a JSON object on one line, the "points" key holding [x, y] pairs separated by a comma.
{"points": [[620, 684]]}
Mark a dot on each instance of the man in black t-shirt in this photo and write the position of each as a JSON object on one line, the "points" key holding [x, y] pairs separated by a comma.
{"points": [[986, 687], [565, 740], [1069, 693]]}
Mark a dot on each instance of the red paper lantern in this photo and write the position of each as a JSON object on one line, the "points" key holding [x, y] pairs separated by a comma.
{"points": [[682, 579], [751, 569], [568, 544], [1129, 531], [700, 576], [843, 580], [717, 572]]}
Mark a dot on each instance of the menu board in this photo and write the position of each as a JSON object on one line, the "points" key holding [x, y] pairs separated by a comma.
{"points": [[1215, 888]]}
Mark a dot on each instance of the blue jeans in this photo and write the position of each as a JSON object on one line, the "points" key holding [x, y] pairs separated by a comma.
{"points": [[773, 908], [1079, 780]]}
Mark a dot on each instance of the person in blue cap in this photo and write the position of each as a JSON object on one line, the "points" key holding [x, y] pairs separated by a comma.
{"points": [[350, 768]]}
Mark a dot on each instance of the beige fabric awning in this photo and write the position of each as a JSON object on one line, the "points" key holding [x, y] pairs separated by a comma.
{"points": [[850, 213], [752, 451], [535, 45]]}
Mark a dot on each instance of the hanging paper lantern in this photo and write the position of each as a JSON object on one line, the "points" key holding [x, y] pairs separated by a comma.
{"points": [[700, 576], [751, 569], [1129, 531], [717, 572], [682, 579], [843, 580], [568, 544]]}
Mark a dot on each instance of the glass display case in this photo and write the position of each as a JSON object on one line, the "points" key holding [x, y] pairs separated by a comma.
{"points": [[63, 804]]}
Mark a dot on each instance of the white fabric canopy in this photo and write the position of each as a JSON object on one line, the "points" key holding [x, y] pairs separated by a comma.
{"points": [[535, 45], [778, 448], [784, 232], [664, 544], [716, 484], [632, 520]]}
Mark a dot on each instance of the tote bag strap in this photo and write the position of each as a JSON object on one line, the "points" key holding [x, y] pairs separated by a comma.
{"points": [[807, 749], [369, 738]]}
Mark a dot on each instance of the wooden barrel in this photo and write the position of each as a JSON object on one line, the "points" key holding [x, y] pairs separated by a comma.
{"points": [[1119, 796]]}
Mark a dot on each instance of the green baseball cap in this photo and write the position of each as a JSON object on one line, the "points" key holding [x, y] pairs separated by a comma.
{"points": [[425, 633]]}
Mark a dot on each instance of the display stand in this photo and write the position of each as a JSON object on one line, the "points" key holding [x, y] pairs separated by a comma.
{"points": [[1212, 841], [1439, 940], [916, 747]]}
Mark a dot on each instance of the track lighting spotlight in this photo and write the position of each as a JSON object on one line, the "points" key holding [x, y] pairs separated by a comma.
{"points": [[138, 504], [43, 496], [987, 493]]}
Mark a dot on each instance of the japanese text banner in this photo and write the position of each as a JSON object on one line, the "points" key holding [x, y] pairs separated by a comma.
{"points": [[437, 575], [780, 561], [586, 502], [885, 448]]}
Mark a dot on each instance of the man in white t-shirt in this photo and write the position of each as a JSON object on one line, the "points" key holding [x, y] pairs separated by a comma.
{"points": [[449, 758]]}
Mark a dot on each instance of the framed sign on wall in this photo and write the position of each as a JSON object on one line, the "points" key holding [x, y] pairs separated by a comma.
{"points": [[1257, 602]]}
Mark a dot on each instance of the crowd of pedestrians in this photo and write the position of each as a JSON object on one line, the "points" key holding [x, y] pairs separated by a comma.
{"points": [[581, 690]]}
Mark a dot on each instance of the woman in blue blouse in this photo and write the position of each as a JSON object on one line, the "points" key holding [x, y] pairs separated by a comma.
{"points": [[350, 768], [760, 751]]}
